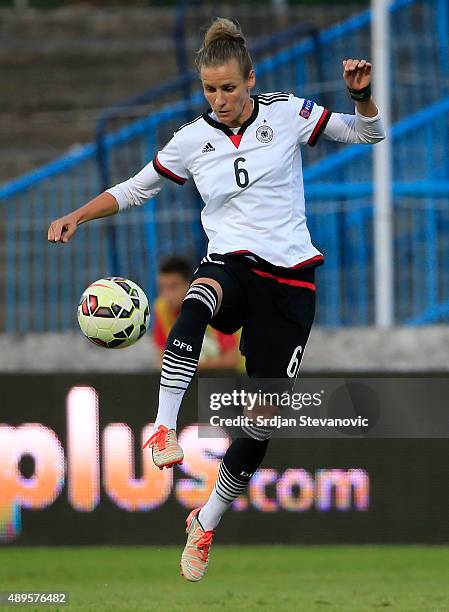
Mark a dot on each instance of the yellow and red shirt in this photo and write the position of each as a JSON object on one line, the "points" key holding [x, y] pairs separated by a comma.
{"points": [[215, 342]]}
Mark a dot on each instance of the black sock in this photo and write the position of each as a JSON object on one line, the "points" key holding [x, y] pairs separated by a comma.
{"points": [[184, 342], [241, 460]]}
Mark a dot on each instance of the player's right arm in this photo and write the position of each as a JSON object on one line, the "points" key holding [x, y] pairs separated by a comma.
{"points": [[61, 230], [167, 165], [133, 192]]}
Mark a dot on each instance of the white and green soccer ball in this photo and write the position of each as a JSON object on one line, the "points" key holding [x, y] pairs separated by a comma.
{"points": [[113, 312]]}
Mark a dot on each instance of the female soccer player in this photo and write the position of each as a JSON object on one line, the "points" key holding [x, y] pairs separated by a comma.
{"points": [[244, 156]]}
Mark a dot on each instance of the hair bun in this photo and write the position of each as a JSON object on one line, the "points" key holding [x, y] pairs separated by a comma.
{"points": [[224, 29], [224, 41]]}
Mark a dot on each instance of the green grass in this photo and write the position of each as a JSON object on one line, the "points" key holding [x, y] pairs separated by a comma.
{"points": [[250, 578]]}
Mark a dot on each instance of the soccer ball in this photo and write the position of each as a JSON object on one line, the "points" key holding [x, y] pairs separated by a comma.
{"points": [[113, 312]]}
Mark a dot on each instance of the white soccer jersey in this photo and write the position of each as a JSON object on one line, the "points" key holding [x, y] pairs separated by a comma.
{"points": [[251, 181]]}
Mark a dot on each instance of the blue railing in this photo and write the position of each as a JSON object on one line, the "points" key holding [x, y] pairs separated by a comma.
{"points": [[43, 282]]}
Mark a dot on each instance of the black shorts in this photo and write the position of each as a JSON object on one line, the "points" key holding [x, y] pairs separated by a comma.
{"points": [[274, 306]]}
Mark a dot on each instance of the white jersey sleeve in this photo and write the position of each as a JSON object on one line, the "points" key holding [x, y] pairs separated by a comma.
{"points": [[137, 189], [167, 164], [312, 120], [309, 121], [355, 129]]}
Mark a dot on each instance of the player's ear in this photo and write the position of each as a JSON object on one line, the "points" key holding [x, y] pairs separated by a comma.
{"points": [[251, 79]]}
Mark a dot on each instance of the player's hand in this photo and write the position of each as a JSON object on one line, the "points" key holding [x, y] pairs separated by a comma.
{"points": [[356, 73], [62, 229]]}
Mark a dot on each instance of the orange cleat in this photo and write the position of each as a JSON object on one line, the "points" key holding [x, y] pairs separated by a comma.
{"points": [[195, 557], [165, 447]]}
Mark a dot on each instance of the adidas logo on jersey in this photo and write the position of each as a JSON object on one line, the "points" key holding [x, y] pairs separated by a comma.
{"points": [[207, 148]]}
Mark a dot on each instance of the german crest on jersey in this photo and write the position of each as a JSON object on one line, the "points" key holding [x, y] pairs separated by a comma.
{"points": [[264, 133], [306, 109]]}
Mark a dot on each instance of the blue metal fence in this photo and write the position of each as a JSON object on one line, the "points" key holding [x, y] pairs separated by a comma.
{"points": [[43, 282]]}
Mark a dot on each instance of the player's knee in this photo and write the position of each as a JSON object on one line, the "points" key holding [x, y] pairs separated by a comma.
{"points": [[204, 294], [206, 286], [258, 433]]}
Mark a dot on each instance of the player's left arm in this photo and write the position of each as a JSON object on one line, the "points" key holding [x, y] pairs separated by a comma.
{"points": [[365, 127], [227, 360], [229, 356]]}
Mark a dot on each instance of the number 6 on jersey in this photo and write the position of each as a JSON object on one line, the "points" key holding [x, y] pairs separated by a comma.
{"points": [[241, 175]]}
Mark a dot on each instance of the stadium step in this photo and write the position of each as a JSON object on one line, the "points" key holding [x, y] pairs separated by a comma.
{"points": [[63, 67]]}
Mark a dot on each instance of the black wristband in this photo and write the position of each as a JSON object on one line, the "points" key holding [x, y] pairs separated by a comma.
{"points": [[360, 94]]}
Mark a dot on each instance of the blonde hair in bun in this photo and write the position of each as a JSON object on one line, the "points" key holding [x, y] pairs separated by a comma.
{"points": [[224, 41]]}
